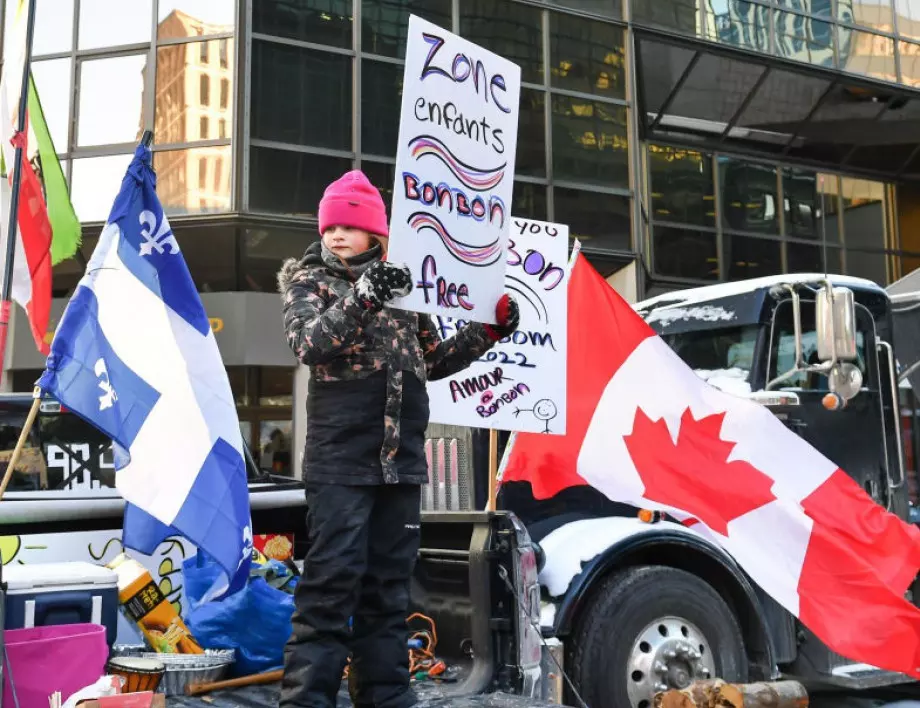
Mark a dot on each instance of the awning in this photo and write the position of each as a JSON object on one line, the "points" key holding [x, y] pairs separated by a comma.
{"points": [[247, 327], [719, 97]]}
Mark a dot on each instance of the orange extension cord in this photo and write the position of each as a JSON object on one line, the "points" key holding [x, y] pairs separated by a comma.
{"points": [[421, 660]]}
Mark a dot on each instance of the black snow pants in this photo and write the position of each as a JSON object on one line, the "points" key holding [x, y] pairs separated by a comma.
{"points": [[363, 545]]}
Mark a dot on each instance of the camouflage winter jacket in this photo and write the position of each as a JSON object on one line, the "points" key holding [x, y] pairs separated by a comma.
{"points": [[342, 343]]}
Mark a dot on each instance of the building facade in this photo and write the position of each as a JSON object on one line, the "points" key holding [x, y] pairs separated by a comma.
{"points": [[683, 141]]}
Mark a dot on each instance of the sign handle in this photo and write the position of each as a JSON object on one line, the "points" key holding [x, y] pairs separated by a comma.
{"points": [[493, 469], [23, 435]]}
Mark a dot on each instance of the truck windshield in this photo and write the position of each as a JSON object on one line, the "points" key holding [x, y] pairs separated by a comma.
{"points": [[723, 357]]}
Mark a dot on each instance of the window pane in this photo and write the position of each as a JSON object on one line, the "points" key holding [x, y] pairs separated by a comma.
{"points": [[589, 141], [53, 25], [608, 8], [95, 184], [510, 30], [188, 109], [265, 248], [747, 257], [806, 196], [810, 258], [866, 54], [683, 253], [52, 79], [682, 186], [749, 199], [194, 18], [680, 15], [908, 15], [109, 23], [275, 445], [864, 264], [101, 119], [816, 8], [382, 175], [863, 214], [317, 21], [529, 201], [211, 254], [275, 386], [803, 39], [301, 96], [872, 14], [288, 182], [910, 63], [531, 141], [381, 100], [385, 23], [600, 221], [586, 56], [747, 26], [194, 180]]}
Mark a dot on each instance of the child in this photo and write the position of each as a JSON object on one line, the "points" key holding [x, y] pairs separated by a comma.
{"points": [[367, 411]]}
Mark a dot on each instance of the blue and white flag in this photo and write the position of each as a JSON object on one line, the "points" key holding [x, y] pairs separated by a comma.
{"points": [[134, 355]]}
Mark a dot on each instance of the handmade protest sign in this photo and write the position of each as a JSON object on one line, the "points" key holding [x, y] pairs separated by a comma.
{"points": [[520, 384], [454, 173]]}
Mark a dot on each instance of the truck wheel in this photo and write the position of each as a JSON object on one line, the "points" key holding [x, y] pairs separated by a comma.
{"points": [[650, 628]]}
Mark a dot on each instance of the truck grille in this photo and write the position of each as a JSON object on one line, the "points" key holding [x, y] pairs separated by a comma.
{"points": [[448, 449]]}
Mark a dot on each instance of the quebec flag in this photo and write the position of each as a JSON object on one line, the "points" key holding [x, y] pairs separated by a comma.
{"points": [[134, 355]]}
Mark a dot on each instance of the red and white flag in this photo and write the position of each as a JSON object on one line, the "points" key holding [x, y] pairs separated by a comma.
{"points": [[645, 430]]}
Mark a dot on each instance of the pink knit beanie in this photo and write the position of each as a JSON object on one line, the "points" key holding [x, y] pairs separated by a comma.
{"points": [[353, 201]]}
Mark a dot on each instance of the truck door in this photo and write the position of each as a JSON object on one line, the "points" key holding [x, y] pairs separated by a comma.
{"points": [[854, 437]]}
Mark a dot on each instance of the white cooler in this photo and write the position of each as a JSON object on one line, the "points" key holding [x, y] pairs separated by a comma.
{"points": [[42, 594]]}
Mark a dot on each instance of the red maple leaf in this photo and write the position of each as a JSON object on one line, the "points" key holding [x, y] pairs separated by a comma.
{"points": [[693, 475]]}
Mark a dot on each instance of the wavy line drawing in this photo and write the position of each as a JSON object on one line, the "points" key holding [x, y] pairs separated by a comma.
{"points": [[472, 177], [536, 295], [476, 256]]}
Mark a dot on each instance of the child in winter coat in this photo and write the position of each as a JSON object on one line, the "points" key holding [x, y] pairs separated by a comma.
{"points": [[367, 411]]}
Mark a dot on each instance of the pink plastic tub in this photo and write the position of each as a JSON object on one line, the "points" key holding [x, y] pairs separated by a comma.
{"points": [[42, 660]]}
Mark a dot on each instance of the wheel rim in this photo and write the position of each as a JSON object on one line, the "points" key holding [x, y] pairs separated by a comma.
{"points": [[669, 653]]}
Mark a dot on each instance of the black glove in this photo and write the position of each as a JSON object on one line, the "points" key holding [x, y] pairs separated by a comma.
{"points": [[382, 282], [508, 316]]}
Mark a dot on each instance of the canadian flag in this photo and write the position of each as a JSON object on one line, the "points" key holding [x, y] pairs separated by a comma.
{"points": [[645, 430]]}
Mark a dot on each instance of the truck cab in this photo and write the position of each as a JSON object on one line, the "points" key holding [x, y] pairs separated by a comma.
{"points": [[652, 605]]}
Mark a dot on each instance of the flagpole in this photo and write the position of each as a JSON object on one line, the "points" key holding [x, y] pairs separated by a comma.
{"points": [[493, 469], [11, 232]]}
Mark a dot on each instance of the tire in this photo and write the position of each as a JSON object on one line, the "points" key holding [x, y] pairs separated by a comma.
{"points": [[676, 612]]}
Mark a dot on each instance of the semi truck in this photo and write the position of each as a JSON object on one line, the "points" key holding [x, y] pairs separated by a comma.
{"points": [[638, 603]]}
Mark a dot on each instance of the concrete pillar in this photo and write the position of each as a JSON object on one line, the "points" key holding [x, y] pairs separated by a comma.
{"points": [[299, 429]]}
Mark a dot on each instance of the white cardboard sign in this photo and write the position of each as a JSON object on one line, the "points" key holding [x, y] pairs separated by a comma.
{"points": [[520, 384], [451, 210]]}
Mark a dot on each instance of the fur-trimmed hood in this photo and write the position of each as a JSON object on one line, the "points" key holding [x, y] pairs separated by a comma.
{"points": [[311, 258]]}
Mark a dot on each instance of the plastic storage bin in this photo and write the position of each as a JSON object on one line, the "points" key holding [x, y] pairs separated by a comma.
{"points": [[44, 594], [43, 660]]}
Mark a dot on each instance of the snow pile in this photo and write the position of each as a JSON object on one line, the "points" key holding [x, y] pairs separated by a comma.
{"points": [[732, 380], [571, 545]]}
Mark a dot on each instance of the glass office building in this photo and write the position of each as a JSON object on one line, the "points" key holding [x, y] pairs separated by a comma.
{"points": [[683, 141]]}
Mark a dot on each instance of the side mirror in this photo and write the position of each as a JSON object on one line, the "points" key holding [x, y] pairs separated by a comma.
{"points": [[835, 325]]}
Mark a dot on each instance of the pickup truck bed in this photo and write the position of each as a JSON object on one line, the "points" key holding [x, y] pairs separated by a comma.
{"points": [[430, 696]]}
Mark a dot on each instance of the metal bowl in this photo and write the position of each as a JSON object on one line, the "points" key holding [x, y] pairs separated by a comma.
{"points": [[183, 669]]}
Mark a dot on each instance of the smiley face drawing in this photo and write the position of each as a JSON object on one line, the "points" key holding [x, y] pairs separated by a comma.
{"points": [[544, 410]]}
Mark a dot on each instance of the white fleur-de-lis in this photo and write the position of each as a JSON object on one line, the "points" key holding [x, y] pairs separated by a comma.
{"points": [[164, 235], [108, 397]]}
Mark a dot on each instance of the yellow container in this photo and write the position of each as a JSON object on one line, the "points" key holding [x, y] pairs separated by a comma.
{"points": [[148, 607]]}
